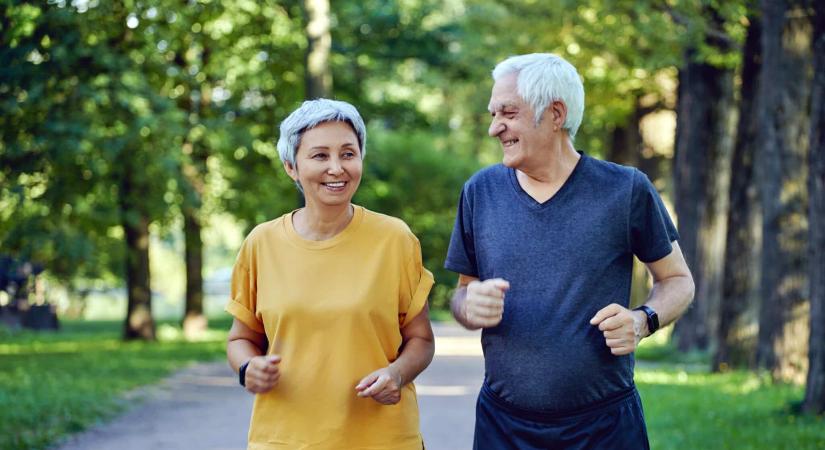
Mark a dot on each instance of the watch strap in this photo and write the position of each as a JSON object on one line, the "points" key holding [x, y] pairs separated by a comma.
{"points": [[652, 318], [242, 373]]}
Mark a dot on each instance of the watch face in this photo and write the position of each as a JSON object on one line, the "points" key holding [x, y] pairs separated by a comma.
{"points": [[652, 320]]}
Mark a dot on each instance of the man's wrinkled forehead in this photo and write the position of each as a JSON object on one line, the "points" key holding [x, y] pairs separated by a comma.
{"points": [[505, 94], [497, 106]]}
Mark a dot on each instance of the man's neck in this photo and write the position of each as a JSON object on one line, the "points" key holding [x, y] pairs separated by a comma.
{"points": [[541, 181]]}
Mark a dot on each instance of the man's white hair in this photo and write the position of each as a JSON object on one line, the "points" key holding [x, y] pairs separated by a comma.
{"points": [[544, 78]]}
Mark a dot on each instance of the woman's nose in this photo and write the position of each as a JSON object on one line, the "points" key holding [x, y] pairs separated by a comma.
{"points": [[335, 166]]}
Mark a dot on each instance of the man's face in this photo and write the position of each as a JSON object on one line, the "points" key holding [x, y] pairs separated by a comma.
{"points": [[513, 124]]}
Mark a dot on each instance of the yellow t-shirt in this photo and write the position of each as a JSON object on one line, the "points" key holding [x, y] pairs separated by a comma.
{"points": [[333, 310]]}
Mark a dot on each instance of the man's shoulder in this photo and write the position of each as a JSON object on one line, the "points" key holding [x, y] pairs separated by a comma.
{"points": [[608, 170], [490, 175]]}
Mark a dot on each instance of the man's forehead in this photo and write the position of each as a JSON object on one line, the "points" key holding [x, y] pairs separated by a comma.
{"points": [[496, 105]]}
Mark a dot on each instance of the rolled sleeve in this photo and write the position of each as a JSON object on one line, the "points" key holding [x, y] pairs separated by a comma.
{"points": [[246, 316], [417, 287], [419, 297], [243, 293]]}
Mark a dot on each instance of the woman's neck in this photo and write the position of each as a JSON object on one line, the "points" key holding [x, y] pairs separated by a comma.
{"points": [[319, 224]]}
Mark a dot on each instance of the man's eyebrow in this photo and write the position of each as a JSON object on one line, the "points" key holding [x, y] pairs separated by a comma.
{"points": [[502, 106]]}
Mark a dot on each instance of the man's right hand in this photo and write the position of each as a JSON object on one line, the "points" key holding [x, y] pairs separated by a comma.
{"points": [[262, 373], [483, 306]]}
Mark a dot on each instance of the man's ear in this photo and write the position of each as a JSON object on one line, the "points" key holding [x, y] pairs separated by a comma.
{"points": [[558, 112], [291, 170]]}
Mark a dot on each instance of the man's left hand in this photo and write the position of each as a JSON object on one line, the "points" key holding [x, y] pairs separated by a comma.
{"points": [[622, 328]]}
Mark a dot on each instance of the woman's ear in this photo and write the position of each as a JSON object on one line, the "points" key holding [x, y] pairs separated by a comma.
{"points": [[291, 170]]}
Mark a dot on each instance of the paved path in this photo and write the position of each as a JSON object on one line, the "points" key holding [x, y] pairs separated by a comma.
{"points": [[202, 407]]}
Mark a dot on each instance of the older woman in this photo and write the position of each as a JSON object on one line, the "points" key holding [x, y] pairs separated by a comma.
{"points": [[329, 301]]}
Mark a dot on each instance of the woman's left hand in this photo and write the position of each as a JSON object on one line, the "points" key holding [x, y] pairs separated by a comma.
{"points": [[383, 385]]}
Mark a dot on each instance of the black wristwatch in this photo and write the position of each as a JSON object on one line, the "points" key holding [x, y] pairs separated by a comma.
{"points": [[652, 318], [242, 373]]}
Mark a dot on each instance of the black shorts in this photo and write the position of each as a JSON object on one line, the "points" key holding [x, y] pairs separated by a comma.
{"points": [[614, 424]]}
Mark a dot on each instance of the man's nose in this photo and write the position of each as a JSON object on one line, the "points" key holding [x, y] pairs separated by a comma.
{"points": [[496, 128]]}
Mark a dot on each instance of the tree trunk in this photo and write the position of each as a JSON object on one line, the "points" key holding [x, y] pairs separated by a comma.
{"points": [[738, 310], [194, 321], [784, 126], [701, 178], [815, 390], [318, 77], [194, 172], [139, 322], [626, 145]]}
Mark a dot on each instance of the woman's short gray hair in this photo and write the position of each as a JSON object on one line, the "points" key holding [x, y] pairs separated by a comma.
{"points": [[313, 113], [544, 78]]}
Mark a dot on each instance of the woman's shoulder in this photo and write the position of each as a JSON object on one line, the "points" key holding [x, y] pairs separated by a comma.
{"points": [[266, 230], [386, 225]]}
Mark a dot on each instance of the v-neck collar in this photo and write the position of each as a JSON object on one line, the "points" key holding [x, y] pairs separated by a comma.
{"points": [[531, 202]]}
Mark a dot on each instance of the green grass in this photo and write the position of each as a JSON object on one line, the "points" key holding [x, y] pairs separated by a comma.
{"points": [[686, 407], [56, 383]]}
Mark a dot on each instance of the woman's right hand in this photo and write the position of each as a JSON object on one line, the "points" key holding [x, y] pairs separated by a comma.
{"points": [[262, 373]]}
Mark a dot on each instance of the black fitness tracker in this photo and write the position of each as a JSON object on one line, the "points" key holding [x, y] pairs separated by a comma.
{"points": [[652, 318], [242, 373]]}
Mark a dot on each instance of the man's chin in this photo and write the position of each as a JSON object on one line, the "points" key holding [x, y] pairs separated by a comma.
{"points": [[509, 162]]}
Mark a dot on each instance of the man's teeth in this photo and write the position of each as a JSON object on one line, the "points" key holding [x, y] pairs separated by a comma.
{"points": [[510, 142]]}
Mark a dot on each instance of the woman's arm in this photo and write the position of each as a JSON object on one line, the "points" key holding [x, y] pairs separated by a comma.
{"points": [[246, 345], [417, 349]]}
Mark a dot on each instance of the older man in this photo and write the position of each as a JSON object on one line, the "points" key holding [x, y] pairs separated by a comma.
{"points": [[543, 244]]}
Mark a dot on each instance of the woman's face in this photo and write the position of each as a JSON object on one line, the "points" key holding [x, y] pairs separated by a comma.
{"points": [[328, 164]]}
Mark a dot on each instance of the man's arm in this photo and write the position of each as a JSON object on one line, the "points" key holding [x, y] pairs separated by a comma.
{"points": [[672, 289], [670, 296], [478, 304]]}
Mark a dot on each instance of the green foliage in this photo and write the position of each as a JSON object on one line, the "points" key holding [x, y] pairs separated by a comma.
{"points": [[407, 176], [187, 101], [52, 384], [84, 138]]}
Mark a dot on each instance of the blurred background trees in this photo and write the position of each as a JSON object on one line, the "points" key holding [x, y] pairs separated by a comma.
{"points": [[138, 142]]}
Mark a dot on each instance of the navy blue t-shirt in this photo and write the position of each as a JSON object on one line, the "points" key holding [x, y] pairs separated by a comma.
{"points": [[565, 259]]}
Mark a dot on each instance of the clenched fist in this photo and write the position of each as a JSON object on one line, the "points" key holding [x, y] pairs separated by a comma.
{"points": [[262, 373], [483, 306], [621, 327]]}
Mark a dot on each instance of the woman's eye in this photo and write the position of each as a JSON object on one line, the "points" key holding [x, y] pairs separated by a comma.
{"points": [[319, 156]]}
